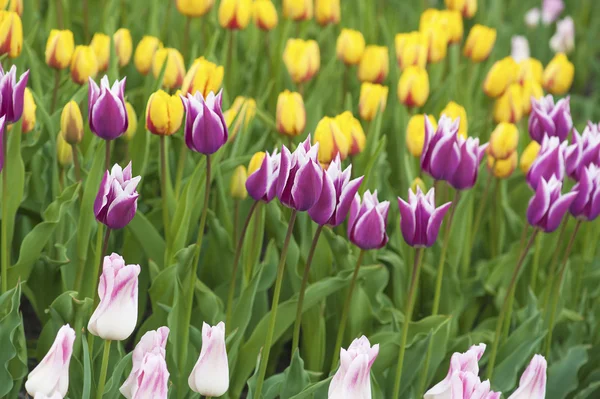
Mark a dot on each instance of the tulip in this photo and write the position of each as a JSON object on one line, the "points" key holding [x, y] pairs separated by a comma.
{"points": [[418, 182], [116, 202], [84, 64], [434, 26], [415, 133], [551, 10], [411, 49], [563, 41], [468, 8], [51, 375], [352, 129], [584, 151], [11, 34], [242, 111], [332, 142], [152, 378], [500, 76], [479, 43], [205, 127], [2, 153], [509, 106], [291, 115], [533, 381], [164, 113], [144, 53], [350, 46], [123, 46], [467, 385], [116, 315], [549, 162], [13, 94], [210, 376], [133, 123], [547, 207], [374, 65], [265, 14], [471, 154], [441, 153], [194, 8], [367, 221], [101, 45], [420, 220], [327, 11], [503, 141], [298, 10], [352, 380], [59, 48], [302, 59], [64, 152], [550, 119], [530, 69], [204, 77], [529, 155], [456, 111], [175, 69], [466, 362], [263, 172], [16, 6], [519, 48], [107, 115], [586, 205], [373, 99], [235, 14], [558, 75], [237, 187], [502, 168], [532, 17], [454, 24], [29, 108], [530, 90], [413, 87], [71, 123], [300, 180]]}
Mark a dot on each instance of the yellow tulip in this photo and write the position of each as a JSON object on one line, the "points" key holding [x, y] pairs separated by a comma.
{"points": [[411, 49], [529, 155], [194, 8], [133, 122], [64, 151], [265, 14], [454, 23], [433, 24], [468, 8], [101, 45], [502, 168], [164, 113], [302, 59], [502, 74], [327, 11], [350, 46], [256, 161], [59, 48], [530, 89], [123, 46], [291, 115], [11, 34], [175, 69], [454, 110], [144, 53], [84, 64], [237, 187], [235, 14], [352, 129], [242, 111], [298, 10], [374, 65], [413, 87], [204, 76], [503, 141], [332, 141], [417, 182], [480, 43], [373, 99], [415, 133], [29, 107], [16, 6], [558, 75], [71, 123], [509, 107], [531, 69]]}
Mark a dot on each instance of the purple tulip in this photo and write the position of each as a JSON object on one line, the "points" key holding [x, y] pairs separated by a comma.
{"points": [[300, 179], [261, 185], [420, 220], [548, 119], [584, 151], [367, 221], [586, 205], [549, 162], [352, 380], [471, 153], [12, 94], [116, 201], [441, 153], [205, 127], [336, 197], [533, 381], [107, 114], [547, 206]]}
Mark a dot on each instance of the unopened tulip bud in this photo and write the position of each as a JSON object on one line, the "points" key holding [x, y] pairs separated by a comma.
{"points": [[327, 11], [418, 183], [235, 14], [374, 65], [175, 69], [372, 213], [123, 46], [551, 10], [415, 133], [205, 127], [411, 49], [332, 142], [153, 378], [16, 6], [503, 141], [84, 64], [11, 34], [101, 45], [241, 113], [480, 43], [291, 115], [194, 8], [532, 384], [265, 14], [548, 206], [350, 46], [203, 76], [298, 10], [164, 113], [454, 24], [549, 162], [550, 119], [353, 377], [500, 76], [59, 48], [440, 157], [470, 156], [468, 8], [133, 122], [144, 53], [413, 87], [532, 17], [502, 169], [420, 220], [29, 109], [586, 205], [107, 115], [530, 90], [558, 75], [563, 41], [530, 69], [433, 25], [373, 99], [509, 106], [64, 152], [237, 188], [210, 376], [352, 129], [263, 171], [302, 59], [71, 123], [116, 201], [529, 155], [13, 94], [519, 48]]}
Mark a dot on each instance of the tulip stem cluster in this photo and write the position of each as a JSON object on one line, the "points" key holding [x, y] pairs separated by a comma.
{"points": [[76, 165], [553, 265], [163, 181], [103, 369], [180, 167], [55, 91]]}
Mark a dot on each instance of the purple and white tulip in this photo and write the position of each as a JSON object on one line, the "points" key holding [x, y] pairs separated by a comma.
{"points": [[551, 10], [441, 153], [205, 127], [12, 94], [584, 151], [107, 114], [533, 381], [471, 154], [367, 221], [549, 162], [352, 379], [465, 385], [563, 41], [586, 205], [152, 380], [261, 185], [548, 206], [210, 376], [116, 201], [549, 119]]}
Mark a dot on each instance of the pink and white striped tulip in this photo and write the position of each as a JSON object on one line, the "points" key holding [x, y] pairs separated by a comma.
{"points": [[533, 381], [353, 379], [153, 378], [466, 385], [210, 376]]}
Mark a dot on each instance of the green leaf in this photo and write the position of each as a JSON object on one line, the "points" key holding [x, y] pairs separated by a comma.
{"points": [[296, 378], [111, 389], [14, 173], [87, 369], [148, 238], [13, 356], [562, 375]]}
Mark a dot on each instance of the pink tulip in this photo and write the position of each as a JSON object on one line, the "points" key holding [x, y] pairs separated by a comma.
{"points": [[210, 376], [466, 385], [533, 381], [153, 378], [353, 379]]}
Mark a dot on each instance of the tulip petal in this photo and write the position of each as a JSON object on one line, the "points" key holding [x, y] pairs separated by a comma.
{"points": [[435, 221], [558, 210], [307, 186], [323, 210]]}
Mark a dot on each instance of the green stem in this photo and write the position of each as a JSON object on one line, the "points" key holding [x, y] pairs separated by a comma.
{"points": [[163, 181], [180, 167], [59, 14], [76, 164], [86, 21], [507, 301], [553, 265], [103, 369], [5, 248], [481, 209], [55, 90], [186, 37], [107, 156], [264, 358], [311, 253], [536, 262], [236, 262], [410, 304]]}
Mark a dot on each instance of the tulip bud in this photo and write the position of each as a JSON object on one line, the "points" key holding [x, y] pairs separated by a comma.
{"points": [[370, 213], [291, 115], [547, 207], [533, 381], [242, 112], [205, 128], [204, 76], [164, 113], [144, 53], [59, 48], [84, 64], [256, 161], [123, 46], [479, 43], [411, 49], [551, 10], [235, 14], [468, 8], [530, 90], [503, 141], [16, 6], [210, 376], [133, 123], [13, 94], [116, 315], [11, 34], [433, 25], [413, 87], [332, 142], [353, 377], [263, 172], [558, 75], [374, 65], [471, 154], [586, 205], [456, 111], [175, 69], [101, 45], [509, 107], [71, 123], [327, 11], [418, 183], [529, 155], [153, 378], [116, 201], [454, 24], [532, 17], [29, 108], [352, 129], [584, 151], [302, 59], [563, 41], [373, 99], [107, 115], [298, 10], [530, 69], [51, 376], [420, 220], [549, 162], [237, 187], [502, 169], [549, 119], [440, 157], [350, 46], [500, 76], [64, 152], [415, 133], [194, 8], [265, 14]]}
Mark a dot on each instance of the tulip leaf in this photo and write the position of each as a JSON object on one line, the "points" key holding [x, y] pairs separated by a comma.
{"points": [[13, 356], [295, 377], [87, 369], [148, 238], [111, 389], [563, 374], [14, 173], [309, 391]]}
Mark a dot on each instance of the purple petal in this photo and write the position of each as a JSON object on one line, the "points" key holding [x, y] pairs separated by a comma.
{"points": [[539, 204], [307, 187], [121, 211], [345, 201], [558, 210], [18, 97], [407, 222], [369, 231], [322, 211], [108, 116], [435, 221], [101, 198]]}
